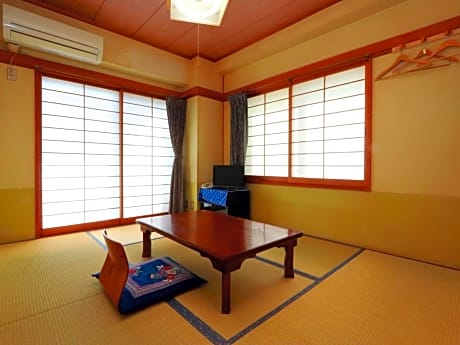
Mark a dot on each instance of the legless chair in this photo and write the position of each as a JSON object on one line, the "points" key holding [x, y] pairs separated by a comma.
{"points": [[114, 272], [133, 287]]}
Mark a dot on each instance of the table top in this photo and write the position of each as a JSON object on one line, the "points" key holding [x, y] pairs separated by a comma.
{"points": [[218, 235]]}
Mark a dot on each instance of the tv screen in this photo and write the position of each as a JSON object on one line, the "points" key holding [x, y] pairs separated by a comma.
{"points": [[228, 176]]}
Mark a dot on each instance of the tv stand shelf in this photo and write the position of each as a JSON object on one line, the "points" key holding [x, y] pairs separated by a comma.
{"points": [[234, 201]]}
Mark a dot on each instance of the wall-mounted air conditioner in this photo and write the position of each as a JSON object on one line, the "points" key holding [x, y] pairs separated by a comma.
{"points": [[33, 31]]}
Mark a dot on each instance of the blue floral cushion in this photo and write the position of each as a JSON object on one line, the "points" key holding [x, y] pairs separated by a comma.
{"points": [[154, 281]]}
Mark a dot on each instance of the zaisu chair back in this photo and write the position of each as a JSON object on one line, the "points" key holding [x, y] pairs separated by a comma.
{"points": [[114, 272]]}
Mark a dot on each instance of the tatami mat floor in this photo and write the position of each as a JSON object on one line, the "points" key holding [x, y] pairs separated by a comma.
{"points": [[340, 295]]}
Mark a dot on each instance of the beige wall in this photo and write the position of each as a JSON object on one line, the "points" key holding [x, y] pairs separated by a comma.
{"points": [[17, 164], [248, 66], [414, 204]]}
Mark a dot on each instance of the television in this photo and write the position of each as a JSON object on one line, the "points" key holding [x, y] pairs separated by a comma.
{"points": [[228, 176]]}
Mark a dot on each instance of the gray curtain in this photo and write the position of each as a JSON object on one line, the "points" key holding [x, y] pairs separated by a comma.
{"points": [[239, 128], [176, 109]]}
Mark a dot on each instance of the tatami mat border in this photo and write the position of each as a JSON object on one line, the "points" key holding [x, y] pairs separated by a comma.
{"points": [[98, 241], [296, 271], [214, 336], [103, 246], [197, 323], [292, 299]]}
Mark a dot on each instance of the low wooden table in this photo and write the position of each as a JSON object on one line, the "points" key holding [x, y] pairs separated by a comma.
{"points": [[226, 240]]}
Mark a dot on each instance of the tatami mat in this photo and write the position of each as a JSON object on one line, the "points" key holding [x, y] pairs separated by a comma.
{"points": [[340, 295], [93, 321], [375, 299], [256, 288], [40, 275], [126, 235], [314, 256]]}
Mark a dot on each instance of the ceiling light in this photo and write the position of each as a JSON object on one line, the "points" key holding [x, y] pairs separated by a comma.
{"points": [[209, 12]]}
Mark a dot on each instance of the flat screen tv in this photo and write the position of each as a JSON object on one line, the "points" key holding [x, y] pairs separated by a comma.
{"points": [[228, 176]]}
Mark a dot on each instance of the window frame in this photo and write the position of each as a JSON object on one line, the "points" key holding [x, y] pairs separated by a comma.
{"points": [[361, 185], [87, 80]]}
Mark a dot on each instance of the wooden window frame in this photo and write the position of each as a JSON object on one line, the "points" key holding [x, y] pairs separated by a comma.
{"points": [[87, 78], [362, 185]]}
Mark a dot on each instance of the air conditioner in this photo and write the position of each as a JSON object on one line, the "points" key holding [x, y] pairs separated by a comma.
{"points": [[33, 31]]}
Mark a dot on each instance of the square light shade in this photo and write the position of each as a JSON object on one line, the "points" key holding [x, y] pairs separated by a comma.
{"points": [[209, 12]]}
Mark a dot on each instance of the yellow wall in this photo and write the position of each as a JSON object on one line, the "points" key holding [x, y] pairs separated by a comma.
{"points": [[227, 125], [414, 204], [416, 130], [204, 133], [210, 134], [204, 73], [424, 227], [191, 151], [17, 170]]}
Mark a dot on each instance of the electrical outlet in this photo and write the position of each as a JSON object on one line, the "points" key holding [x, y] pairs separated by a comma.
{"points": [[11, 73], [192, 205]]}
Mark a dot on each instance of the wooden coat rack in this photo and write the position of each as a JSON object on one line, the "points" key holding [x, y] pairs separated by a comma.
{"points": [[425, 58]]}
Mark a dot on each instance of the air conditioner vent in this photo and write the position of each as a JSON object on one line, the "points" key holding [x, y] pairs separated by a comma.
{"points": [[40, 33]]}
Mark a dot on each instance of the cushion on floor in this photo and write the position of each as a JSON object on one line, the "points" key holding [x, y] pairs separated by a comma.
{"points": [[153, 281]]}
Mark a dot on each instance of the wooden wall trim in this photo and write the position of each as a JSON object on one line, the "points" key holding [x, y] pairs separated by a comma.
{"points": [[38, 154], [201, 91], [368, 128]]}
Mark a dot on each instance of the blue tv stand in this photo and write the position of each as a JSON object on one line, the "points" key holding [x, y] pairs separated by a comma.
{"points": [[234, 201]]}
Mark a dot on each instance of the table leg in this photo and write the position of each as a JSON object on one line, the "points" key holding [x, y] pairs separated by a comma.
{"points": [[225, 293], [289, 260], [146, 243]]}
